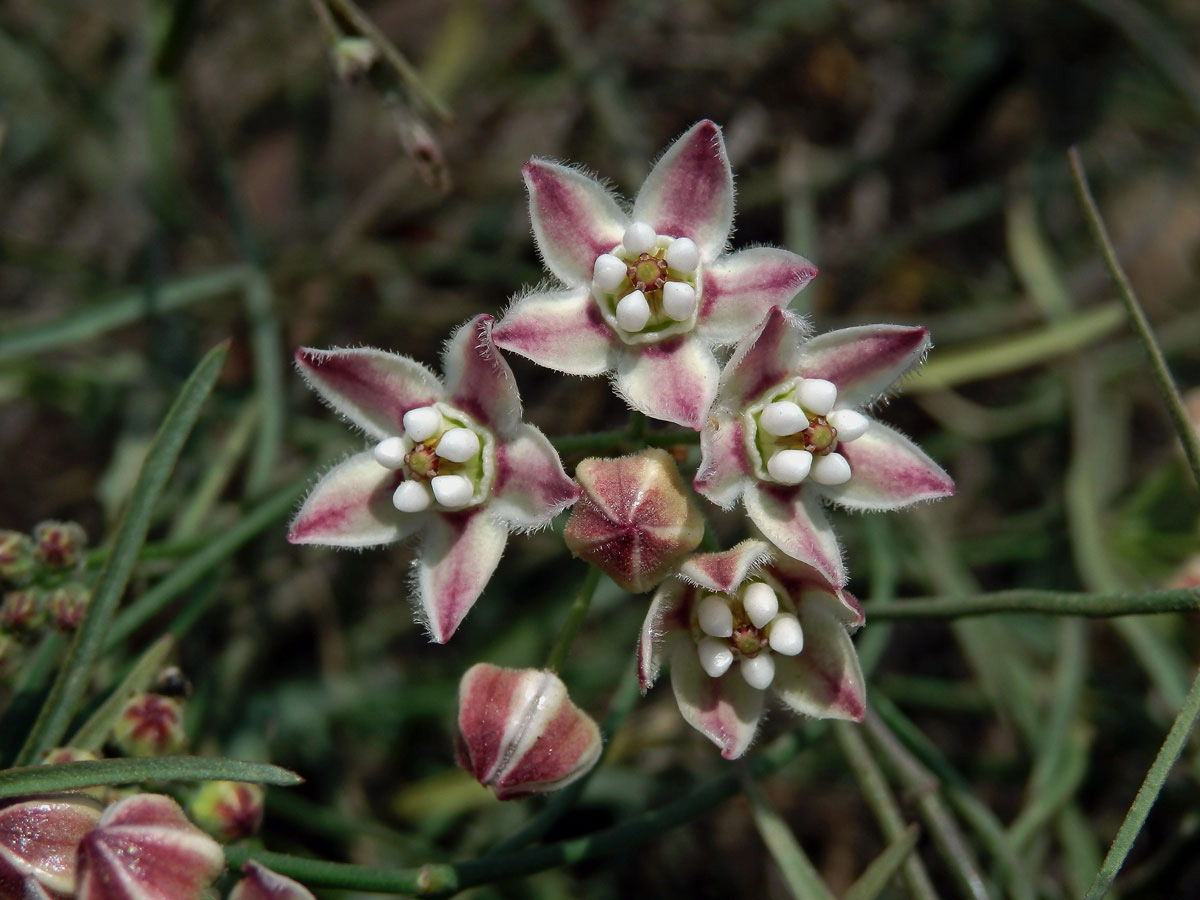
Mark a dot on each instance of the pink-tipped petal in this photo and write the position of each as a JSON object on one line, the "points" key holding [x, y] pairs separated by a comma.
{"points": [[458, 554], [38, 842], [724, 465], [740, 288], [725, 710], [575, 219], [561, 330], [372, 388], [888, 471], [689, 192], [520, 733], [825, 679], [675, 381], [260, 883], [864, 362], [351, 506], [531, 487], [478, 380], [724, 571], [799, 579], [144, 848], [764, 358], [791, 518], [664, 619]]}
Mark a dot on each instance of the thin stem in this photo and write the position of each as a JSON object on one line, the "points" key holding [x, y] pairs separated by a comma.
{"points": [[1158, 364], [1052, 603], [1148, 793], [435, 879], [576, 615], [408, 74]]}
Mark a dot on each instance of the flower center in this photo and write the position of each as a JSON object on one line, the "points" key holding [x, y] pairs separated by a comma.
{"points": [[747, 627], [648, 286], [793, 433], [446, 459]]}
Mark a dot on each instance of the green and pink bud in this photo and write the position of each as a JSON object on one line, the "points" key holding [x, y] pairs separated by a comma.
{"points": [[16, 557], [59, 545], [519, 732], [635, 519], [228, 810], [150, 725], [66, 605], [23, 610]]}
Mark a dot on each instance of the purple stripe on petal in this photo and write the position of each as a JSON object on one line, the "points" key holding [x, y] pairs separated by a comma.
{"points": [[260, 883], [689, 192], [740, 288], [485, 699], [791, 518], [575, 219], [675, 381], [372, 388], [726, 710], [825, 679], [865, 361], [763, 359], [458, 554], [888, 471], [478, 380], [351, 506], [724, 465], [569, 744], [561, 330], [531, 487], [726, 570]]}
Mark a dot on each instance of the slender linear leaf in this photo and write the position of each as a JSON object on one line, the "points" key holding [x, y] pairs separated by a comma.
{"points": [[93, 732], [89, 773], [884, 867]]}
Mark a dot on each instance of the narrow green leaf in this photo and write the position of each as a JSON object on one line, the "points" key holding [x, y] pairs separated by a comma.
{"points": [[60, 706], [1053, 603], [884, 867], [75, 775], [799, 874], [93, 732], [97, 318]]}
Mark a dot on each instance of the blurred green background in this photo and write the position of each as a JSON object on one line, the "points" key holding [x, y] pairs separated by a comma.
{"points": [[175, 174]]}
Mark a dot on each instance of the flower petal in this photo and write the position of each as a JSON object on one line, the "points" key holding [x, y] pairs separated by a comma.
{"points": [[351, 506], [689, 192], [791, 518], [575, 219], [740, 288], [725, 710], [478, 380], [726, 570], [372, 388], [800, 579], [864, 362], [824, 680], [144, 847], [664, 618], [531, 487], [888, 471], [561, 330], [724, 465], [38, 839], [458, 554], [675, 381], [261, 883], [763, 359]]}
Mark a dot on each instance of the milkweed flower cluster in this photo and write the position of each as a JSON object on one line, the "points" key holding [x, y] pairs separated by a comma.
{"points": [[691, 334]]}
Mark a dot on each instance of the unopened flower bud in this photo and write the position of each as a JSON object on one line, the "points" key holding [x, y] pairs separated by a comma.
{"points": [[353, 57], [66, 604], [22, 611], [150, 725], [260, 883], [59, 545], [519, 732], [228, 810], [16, 557], [144, 846], [38, 842], [635, 519]]}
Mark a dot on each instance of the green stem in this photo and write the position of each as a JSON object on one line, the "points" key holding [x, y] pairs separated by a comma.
{"points": [[576, 615], [444, 879], [1158, 365], [1052, 603], [1148, 793], [72, 679]]}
